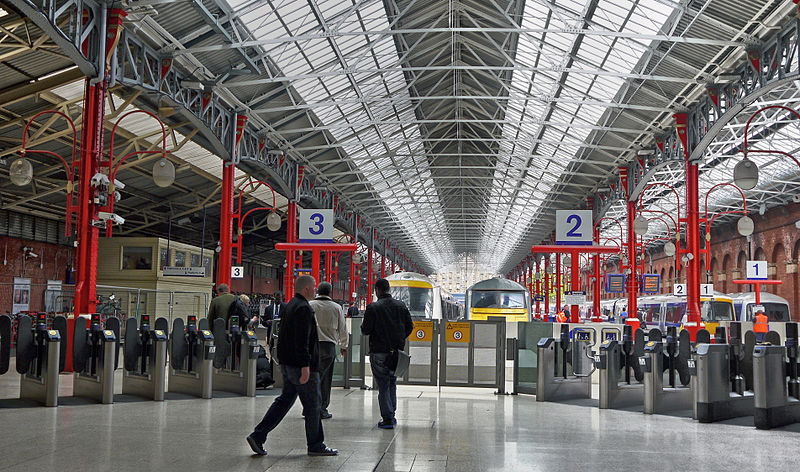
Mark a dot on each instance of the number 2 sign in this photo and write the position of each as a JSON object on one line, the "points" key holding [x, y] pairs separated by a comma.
{"points": [[316, 226], [574, 227]]}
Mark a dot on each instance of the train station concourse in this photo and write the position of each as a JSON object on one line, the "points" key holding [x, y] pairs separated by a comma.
{"points": [[399, 235]]}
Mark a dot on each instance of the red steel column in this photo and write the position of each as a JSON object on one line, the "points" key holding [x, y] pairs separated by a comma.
{"points": [[558, 282], [632, 282], [596, 292], [315, 264], [352, 281], [575, 259], [226, 226], [383, 265], [291, 233], [88, 235], [693, 245], [546, 286], [369, 274]]}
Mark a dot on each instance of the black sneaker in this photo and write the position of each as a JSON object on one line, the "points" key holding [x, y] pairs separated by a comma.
{"points": [[325, 451], [257, 447], [325, 415], [383, 424]]}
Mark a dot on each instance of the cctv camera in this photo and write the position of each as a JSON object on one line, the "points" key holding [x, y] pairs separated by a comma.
{"points": [[796, 198], [113, 217], [99, 180]]}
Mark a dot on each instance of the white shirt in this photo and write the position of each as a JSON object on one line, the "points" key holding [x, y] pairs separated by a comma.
{"points": [[331, 326]]}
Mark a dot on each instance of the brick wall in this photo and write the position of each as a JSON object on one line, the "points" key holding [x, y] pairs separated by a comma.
{"points": [[52, 264]]}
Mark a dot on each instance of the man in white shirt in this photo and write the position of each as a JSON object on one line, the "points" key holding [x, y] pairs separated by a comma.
{"points": [[332, 330]]}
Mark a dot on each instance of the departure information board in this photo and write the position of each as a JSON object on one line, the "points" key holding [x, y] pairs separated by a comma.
{"points": [[615, 283], [651, 283]]}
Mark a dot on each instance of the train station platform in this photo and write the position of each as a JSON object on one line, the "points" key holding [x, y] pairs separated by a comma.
{"points": [[452, 429]]}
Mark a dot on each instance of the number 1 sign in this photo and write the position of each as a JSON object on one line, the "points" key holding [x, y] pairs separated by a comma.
{"points": [[756, 270], [574, 227]]}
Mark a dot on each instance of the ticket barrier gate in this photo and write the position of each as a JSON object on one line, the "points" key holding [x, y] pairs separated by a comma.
{"points": [[235, 358], [5, 343], [145, 359], [777, 401], [191, 355], [555, 381], [94, 358], [40, 356], [670, 358], [616, 362], [722, 387]]}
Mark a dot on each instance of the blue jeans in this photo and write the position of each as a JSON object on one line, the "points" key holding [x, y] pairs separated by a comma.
{"points": [[387, 385], [309, 397]]}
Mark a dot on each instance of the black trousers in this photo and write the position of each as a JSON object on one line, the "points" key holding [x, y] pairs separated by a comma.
{"points": [[309, 397], [327, 357]]}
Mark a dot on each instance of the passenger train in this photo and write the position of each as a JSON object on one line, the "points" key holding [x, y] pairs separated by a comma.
{"points": [[424, 300], [776, 308], [669, 310], [498, 297]]}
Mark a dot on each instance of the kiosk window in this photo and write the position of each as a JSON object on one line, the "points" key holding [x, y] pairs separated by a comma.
{"points": [[164, 257], [195, 259], [180, 259], [137, 258]]}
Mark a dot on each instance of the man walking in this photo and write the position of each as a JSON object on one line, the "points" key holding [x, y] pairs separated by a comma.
{"points": [[298, 354], [388, 324], [332, 330], [220, 305]]}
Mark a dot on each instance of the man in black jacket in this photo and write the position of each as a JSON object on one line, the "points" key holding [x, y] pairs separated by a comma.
{"points": [[298, 354], [388, 324]]}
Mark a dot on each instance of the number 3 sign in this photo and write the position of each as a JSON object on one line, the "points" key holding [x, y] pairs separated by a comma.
{"points": [[316, 226], [574, 227]]}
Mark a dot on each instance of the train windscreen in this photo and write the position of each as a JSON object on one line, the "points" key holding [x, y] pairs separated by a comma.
{"points": [[716, 311], [774, 311], [496, 299], [418, 300]]}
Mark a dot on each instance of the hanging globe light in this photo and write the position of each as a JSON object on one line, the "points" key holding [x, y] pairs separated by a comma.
{"points": [[273, 221], [163, 172], [669, 249], [640, 225], [745, 226], [745, 174], [21, 172]]}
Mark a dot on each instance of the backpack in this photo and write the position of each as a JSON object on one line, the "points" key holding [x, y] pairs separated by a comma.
{"points": [[238, 308]]}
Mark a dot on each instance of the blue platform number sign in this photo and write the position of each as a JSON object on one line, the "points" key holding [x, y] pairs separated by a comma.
{"points": [[574, 227], [316, 226], [756, 270]]}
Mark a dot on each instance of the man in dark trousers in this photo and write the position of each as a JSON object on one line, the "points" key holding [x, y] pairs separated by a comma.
{"points": [[298, 355], [388, 324]]}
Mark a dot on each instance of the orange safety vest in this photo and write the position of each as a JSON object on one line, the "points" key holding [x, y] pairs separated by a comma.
{"points": [[761, 324], [561, 317]]}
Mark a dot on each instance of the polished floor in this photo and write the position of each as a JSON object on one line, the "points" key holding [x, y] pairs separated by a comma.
{"points": [[455, 429]]}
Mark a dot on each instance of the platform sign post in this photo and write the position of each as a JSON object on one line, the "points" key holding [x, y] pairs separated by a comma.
{"points": [[574, 227], [679, 290], [316, 226], [756, 270], [706, 290], [237, 272]]}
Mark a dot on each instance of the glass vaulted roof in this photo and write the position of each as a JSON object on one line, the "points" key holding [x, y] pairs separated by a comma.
{"points": [[471, 121]]}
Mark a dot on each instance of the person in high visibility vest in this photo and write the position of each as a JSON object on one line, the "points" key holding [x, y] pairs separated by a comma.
{"points": [[562, 316], [760, 325]]}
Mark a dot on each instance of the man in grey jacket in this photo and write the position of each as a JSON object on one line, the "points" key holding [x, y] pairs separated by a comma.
{"points": [[332, 330]]}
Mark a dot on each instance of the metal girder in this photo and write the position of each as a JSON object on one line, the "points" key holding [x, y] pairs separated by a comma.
{"points": [[70, 24], [457, 30]]}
